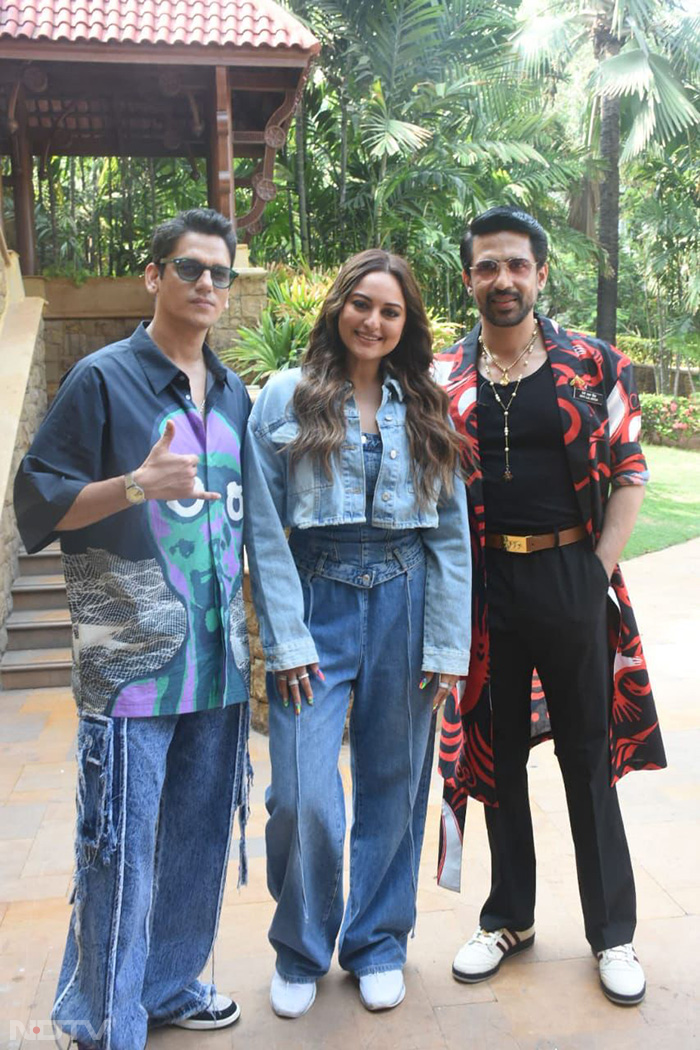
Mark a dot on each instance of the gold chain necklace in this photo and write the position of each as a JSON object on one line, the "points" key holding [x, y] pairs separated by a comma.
{"points": [[507, 473], [490, 356]]}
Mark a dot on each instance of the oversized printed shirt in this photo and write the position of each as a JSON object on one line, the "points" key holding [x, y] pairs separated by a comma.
{"points": [[155, 591], [601, 419]]}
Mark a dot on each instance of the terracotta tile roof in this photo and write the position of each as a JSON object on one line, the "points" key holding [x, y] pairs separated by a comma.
{"points": [[238, 23]]}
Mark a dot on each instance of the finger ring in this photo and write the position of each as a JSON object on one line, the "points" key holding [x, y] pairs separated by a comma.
{"points": [[293, 681], [444, 685], [304, 675]]}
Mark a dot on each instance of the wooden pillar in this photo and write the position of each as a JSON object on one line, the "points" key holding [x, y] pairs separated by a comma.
{"points": [[24, 200], [220, 160]]}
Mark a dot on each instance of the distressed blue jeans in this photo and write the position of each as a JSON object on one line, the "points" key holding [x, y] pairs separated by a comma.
{"points": [[156, 801], [364, 606]]}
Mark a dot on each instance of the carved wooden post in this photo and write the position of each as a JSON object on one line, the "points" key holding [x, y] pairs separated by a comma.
{"points": [[220, 167]]}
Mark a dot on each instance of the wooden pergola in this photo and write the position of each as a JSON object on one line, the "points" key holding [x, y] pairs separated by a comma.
{"points": [[149, 78]]}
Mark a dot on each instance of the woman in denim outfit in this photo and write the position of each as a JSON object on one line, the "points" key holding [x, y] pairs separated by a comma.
{"points": [[370, 596]]}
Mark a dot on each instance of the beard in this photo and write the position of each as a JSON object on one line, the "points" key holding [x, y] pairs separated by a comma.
{"points": [[521, 307]]}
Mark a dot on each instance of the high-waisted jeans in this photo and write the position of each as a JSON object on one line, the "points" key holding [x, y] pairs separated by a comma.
{"points": [[364, 598]]}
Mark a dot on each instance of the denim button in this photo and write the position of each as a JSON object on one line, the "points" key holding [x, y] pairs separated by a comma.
{"points": [[393, 453], [365, 579], [386, 497]]}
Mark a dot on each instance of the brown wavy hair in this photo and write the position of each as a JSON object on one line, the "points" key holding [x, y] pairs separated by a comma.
{"points": [[320, 396]]}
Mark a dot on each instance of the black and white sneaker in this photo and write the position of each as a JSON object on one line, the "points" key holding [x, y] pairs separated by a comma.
{"points": [[220, 1013], [621, 975], [482, 955]]}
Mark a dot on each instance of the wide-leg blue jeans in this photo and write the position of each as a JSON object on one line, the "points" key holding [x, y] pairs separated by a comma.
{"points": [[156, 801], [364, 607]]}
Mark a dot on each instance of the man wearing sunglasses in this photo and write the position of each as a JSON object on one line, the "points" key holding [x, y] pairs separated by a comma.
{"points": [[555, 479], [137, 469]]}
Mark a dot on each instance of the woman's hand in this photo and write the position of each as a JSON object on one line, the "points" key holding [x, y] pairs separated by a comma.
{"points": [[446, 683], [295, 681]]}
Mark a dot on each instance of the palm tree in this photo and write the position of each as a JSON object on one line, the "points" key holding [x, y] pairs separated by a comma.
{"points": [[646, 54], [417, 119]]}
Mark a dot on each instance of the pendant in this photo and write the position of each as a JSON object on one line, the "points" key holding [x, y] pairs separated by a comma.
{"points": [[504, 380], [507, 474]]}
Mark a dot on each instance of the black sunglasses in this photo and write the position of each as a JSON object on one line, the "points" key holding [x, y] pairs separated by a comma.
{"points": [[191, 270]]}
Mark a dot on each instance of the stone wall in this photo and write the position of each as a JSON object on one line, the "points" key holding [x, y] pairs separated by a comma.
{"points": [[645, 378], [33, 410], [68, 340]]}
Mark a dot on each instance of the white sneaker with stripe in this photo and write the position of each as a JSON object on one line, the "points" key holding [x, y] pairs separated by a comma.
{"points": [[482, 955], [621, 975]]}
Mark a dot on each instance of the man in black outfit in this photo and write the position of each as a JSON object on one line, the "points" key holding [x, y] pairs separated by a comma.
{"points": [[555, 479]]}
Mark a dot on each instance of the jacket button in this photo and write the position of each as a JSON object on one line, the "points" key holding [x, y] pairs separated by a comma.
{"points": [[365, 579], [386, 497], [393, 454]]}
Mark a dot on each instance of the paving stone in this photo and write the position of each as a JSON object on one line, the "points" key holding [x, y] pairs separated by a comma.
{"points": [[546, 999]]}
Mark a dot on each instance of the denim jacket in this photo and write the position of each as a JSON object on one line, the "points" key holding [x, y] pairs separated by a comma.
{"points": [[281, 495]]}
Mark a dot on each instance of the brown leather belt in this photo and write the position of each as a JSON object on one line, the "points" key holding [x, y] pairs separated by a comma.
{"points": [[528, 544]]}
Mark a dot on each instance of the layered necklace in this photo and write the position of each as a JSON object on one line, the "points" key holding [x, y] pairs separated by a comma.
{"points": [[489, 359]]}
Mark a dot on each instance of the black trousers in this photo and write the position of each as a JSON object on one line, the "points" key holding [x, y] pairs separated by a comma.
{"points": [[548, 610]]}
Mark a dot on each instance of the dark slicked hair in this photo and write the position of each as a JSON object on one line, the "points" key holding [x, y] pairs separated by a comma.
{"points": [[504, 217], [195, 220]]}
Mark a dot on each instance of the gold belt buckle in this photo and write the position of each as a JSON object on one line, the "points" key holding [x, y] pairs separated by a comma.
{"points": [[516, 544]]}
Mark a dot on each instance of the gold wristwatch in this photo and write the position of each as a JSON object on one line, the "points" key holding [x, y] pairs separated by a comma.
{"points": [[134, 492]]}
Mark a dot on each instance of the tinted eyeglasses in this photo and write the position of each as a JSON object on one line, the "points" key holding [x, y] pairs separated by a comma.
{"points": [[191, 270], [489, 268]]}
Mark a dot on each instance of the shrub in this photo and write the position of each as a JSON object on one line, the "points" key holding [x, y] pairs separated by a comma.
{"points": [[282, 333], [670, 420], [639, 350]]}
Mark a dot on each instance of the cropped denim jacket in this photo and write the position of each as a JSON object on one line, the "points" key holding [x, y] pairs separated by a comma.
{"points": [[281, 495]]}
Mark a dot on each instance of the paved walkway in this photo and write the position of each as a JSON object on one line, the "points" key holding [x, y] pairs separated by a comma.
{"points": [[547, 999]]}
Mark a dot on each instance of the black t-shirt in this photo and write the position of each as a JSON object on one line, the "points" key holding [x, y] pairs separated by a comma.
{"points": [[540, 496]]}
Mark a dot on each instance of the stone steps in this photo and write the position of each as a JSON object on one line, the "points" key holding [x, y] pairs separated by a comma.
{"points": [[38, 629]]}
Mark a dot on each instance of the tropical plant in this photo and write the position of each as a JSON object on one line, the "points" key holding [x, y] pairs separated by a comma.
{"points": [[647, 56], [413, 122], [275, 344], [279, 338]]}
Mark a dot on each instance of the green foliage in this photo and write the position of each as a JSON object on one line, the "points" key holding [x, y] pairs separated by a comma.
{"points": [[274, 345], [419, 114], [671, 419], [283, 332], [639, 350], [444, 332]]}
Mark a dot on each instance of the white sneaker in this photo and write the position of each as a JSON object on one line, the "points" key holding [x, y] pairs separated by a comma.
{"points": [[621, 975], [482, 955], [290, 999], [220, 1013], [382, 991]]}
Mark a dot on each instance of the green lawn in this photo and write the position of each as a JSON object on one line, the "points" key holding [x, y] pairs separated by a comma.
{"points": [[671, 509]]}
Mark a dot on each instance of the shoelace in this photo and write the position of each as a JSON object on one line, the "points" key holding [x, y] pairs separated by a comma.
{"points": [[620, 953], [487, 937]]}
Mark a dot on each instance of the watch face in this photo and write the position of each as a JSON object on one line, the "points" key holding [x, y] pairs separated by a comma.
{"points": [[134, 492]]}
